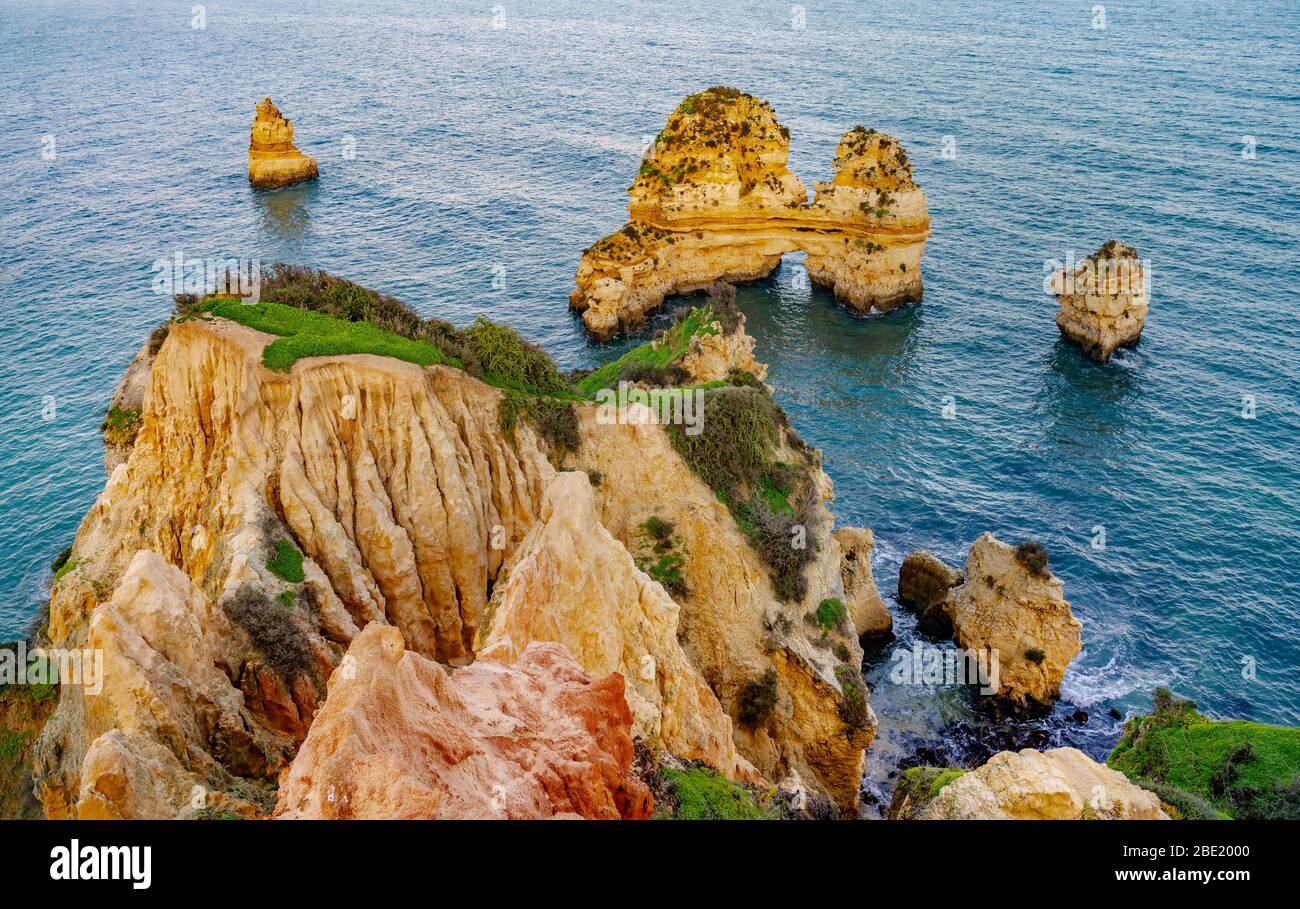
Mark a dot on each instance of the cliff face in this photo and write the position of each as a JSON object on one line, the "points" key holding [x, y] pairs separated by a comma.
{"points": [[714, 200], [393, 482], [573, 583], [400, 737], [273, 160], [1103, 302], [733, 627]]}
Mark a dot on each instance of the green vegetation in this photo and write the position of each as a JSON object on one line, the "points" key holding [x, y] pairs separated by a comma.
{"points": [[831, 614], [286, 563], [659, 555], [287, 598], [854, 710], [309, 334], [922, 784], [273, 632], [1034, 557], [757, 699], [643, 361], [1035, 654], [736, 455], [703, 795], [508, 361], [121, 425], [61, 559], [1241, 769]]}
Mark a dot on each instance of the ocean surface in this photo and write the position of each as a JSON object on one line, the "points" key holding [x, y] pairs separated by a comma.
{"points": [[469, 153]]}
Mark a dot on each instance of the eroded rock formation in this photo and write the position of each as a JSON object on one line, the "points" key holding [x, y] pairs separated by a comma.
{"points": [[871, 618], [1006, 602], [1063, 784], [1103, 301], [714, 199], [573, 583], [393, 482], [401, 737], [273, 160], [733, 627]]}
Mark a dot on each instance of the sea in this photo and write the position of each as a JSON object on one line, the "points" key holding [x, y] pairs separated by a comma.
{"points": [[470, 151]]}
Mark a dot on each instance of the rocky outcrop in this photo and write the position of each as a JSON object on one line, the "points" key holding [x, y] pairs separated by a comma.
{"points": [[1021, 612], [1063, 784], [925, 585], [571, 582], [714, 200], [1103, 301], [871, 618], [394, 483], [732, 626], [273, 160], [169, 732], [1008, 602], [402, 737]]}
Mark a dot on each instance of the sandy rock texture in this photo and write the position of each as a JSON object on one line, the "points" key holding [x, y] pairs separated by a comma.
{"points": [[714, 199], [1104, 301], [732, 626], [392, 481], [1062, 784], [403, 737], [273, 160], [999, 603], [871, 617], [571, 582]]}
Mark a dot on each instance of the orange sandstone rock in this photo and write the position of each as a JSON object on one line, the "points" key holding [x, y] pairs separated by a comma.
{"points": [[402, 737], [273, 160], [714, 199]]}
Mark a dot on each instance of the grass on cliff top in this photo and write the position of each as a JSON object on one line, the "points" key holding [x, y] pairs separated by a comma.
{"points": [[1178, 747], [703, 795], [303, 333], [670, 347]]}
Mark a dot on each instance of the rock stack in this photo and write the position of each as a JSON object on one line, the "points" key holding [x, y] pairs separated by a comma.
{"points": [[714, 199], [273, 160], [1103, 300]]}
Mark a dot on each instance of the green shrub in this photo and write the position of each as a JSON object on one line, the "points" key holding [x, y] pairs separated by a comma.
{"points": [[853, 709], [757, 699], [60, 560], [272, 631], [286, 563], [831, 614], [704, 795], [507, 360], [121, 425], [1034, 557], [1035, 655], [661, 562], [734, 449], [554, 420]]}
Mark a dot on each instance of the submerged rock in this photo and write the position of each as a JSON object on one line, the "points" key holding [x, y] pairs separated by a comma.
{"points": [[714, 199], [1061, 784], [273, 160], [1103, 302], [401, 737]]}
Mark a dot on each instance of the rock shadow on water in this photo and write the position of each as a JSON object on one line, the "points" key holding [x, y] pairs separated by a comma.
{"points": [[285, 213], [1083, 400]]}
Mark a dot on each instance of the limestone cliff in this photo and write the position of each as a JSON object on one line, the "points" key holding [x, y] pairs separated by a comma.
{"points": [[273, 160], [714, 199], [1008, 601], [733, 626], [392, 484], [572, 582], [1062, 784], [1103, 302], [871, 618], [401, 737]]}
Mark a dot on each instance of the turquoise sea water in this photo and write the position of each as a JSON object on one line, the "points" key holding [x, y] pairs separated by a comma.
{"points": [[481, 148]]}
